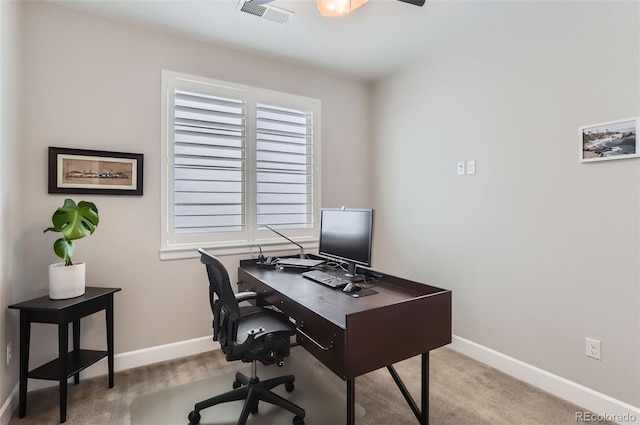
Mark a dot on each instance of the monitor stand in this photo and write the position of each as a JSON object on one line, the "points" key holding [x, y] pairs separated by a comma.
{"points": [[356, 278], [352, 275]]}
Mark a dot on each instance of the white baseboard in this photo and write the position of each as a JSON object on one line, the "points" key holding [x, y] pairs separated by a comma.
{"points": [[10, 405], [161, 353], [590, 400], [123, 361]]}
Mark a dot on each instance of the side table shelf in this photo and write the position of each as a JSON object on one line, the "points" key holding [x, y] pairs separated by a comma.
{"points": [[76, 362], [67, 364]]}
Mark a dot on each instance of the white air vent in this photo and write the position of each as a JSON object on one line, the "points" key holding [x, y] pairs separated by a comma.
{"points": [[271, 13]]}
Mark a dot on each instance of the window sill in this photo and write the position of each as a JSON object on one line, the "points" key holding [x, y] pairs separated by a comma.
{"points": [[188, 251]]}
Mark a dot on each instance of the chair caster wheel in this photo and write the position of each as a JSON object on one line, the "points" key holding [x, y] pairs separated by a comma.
{"points": [[289, 386], [236, 384], [297, 420], [194, 417]]}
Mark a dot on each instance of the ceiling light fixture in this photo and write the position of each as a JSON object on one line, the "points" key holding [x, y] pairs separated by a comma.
{"points": [[338, 7]]}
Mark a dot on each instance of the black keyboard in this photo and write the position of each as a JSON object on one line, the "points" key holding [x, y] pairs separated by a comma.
{"points": [[325, 278]]}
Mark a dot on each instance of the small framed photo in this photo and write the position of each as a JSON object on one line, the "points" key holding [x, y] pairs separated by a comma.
{"points": [[609, 140], [94, 172]]}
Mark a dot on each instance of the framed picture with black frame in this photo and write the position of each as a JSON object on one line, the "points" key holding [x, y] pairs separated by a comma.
{"points": [[84, 171]]}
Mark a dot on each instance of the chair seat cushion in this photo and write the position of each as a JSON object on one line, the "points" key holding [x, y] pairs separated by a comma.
{"points": [[264, 322]]}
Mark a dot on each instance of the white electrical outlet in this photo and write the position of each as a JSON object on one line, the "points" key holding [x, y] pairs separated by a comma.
{"points": [[8, 353], [460, 168], [593, 349]]}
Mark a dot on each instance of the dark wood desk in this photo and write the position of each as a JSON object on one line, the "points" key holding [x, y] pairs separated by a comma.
{"points": [[63, 312], [356, 335]]}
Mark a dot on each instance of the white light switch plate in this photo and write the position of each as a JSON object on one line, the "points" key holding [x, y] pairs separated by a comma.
{"points": [[471, 167]]}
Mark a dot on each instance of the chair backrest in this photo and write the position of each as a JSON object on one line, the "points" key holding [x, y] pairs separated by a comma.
{"points": [[225, 309]]}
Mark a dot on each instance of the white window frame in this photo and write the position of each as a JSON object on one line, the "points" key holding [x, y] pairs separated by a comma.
{"points": [[175, 246]]}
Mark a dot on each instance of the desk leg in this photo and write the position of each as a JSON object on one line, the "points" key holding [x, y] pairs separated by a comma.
{"points": [[109, 318], [422, 412], [425, 389], [351, 401], [63, 352], [25, 336], [76, 347]]}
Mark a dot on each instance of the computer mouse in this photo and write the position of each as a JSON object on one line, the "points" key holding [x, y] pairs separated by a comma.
{"points": [[351, 287]]}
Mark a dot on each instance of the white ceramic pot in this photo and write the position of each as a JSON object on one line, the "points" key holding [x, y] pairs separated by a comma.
{"points": [[66, 281]]}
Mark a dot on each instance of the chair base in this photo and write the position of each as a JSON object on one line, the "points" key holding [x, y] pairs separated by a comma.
{"points": [[252, 390]]}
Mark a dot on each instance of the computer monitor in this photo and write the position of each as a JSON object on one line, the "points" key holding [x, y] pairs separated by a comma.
{"points": [[347, 235]]}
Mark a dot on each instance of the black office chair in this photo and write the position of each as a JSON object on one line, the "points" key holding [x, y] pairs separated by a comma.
{"points": [[249, 334]]}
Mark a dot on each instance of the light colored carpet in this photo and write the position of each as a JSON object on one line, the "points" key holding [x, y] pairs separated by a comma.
{"points": [[462, 392]]}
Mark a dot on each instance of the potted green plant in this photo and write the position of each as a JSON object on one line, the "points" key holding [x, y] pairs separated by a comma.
{"points": [[67, 280]]}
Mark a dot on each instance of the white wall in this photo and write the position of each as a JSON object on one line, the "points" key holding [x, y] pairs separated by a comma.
{"points": [[9, 197], [539, 250], [94, 83]]}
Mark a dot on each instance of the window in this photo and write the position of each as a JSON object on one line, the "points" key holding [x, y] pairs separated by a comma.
{"points": [[236, 158]]}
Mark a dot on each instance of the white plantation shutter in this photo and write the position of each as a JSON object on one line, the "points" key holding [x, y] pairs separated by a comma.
{"points": [[236, 158], [284, 167], [209, 163]]}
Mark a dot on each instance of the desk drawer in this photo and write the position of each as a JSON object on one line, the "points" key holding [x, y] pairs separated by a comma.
{"points": [[266, 295], [324, 340]]}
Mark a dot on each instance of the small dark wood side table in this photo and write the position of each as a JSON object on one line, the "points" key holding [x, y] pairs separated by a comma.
{"points": [[63, 312]]}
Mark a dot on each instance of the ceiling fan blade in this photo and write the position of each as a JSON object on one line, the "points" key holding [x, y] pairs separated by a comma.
{"points": [[414, 2]]}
